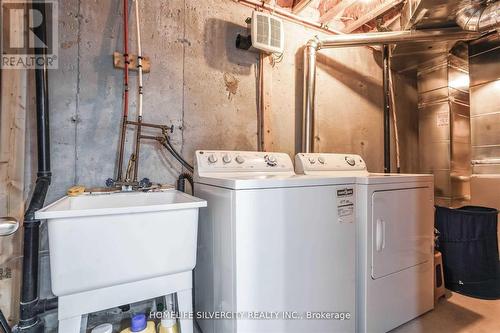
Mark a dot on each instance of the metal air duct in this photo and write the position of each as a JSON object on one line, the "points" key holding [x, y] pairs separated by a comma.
{"points": [[478, 15], [380, 38]]}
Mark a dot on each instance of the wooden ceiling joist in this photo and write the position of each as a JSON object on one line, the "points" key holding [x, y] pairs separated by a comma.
{"points": [[335, 11], [370, 15], [282, 3], [300, 5]]}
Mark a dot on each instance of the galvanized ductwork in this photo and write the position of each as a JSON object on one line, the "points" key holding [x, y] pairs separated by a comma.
{"points": [[479, 15], [381, 38]]}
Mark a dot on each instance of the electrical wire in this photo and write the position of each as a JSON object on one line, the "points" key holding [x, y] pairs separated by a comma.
{"points": [[276, 58]]}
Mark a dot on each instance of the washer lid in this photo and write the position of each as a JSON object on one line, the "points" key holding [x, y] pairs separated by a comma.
{"points": [[345, 165], [256, 181], [251, 170], [391, 178]]}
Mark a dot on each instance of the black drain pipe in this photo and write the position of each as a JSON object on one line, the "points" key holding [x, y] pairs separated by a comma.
{"points": [[181, 181], [4, 324], [31, 306], [387, 110]]}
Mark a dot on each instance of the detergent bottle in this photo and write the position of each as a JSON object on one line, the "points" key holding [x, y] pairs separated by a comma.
{"points": [[168, 325], [139, 324], [103, 328]]}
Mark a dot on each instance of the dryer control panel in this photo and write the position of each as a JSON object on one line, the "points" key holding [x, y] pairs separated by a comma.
{"points": [[219, 161], [319, 163]]}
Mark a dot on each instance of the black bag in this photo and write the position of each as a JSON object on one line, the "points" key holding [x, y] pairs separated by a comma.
{"points": [[468, 243]]}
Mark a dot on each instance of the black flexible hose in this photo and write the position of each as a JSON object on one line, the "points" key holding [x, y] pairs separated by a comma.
{"points": [[166, 143], [181, 181]]}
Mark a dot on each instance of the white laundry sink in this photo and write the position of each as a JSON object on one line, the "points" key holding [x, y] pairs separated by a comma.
{"points": [[102, 240]]}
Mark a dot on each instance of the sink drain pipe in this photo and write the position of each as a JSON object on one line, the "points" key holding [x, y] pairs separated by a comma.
{"points": [[181, 181], [31, 306], [380, 38]]}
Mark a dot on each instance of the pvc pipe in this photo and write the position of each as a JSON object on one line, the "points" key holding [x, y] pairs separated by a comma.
{"points": [[28, 316], [125, 92], [139, 56], [140, 92]]}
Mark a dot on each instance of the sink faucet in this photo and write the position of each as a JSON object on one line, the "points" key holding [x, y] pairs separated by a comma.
{"points": [[8, 225]]}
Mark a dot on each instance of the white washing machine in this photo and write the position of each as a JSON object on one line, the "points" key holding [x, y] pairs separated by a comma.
{"points": [[395, 240], [273, 247]]}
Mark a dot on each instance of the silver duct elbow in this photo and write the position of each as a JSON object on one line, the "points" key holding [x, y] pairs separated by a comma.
{"points": [[479, 16]]}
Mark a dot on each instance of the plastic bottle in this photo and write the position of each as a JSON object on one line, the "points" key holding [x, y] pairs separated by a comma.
{"points": [[138, 324], [168, 325], [103, 328]]}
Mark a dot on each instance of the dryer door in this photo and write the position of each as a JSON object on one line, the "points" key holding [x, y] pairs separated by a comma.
{"points": [[402, 229]]}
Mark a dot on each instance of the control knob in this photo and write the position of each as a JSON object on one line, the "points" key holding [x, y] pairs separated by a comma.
{"points": [[321, 159], [312, 160], [226, 158], [240, 159], [212, 158], [351, 161], [271, 160]]}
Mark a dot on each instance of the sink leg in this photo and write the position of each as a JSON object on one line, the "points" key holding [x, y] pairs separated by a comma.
{"points": [[70, 325], [185, 303]]}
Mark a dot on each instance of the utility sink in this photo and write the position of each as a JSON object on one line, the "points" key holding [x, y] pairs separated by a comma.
{"points": [[102, 240]]}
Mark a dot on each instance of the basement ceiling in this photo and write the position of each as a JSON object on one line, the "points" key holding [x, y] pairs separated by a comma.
{"points": [[362, 16], [355, 16]]}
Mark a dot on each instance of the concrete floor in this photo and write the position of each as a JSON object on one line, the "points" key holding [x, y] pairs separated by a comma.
{"points": [[454, 314], [458, 314]]}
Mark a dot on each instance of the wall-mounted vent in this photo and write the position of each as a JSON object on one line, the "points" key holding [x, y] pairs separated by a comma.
{"points": [[267, 32]]}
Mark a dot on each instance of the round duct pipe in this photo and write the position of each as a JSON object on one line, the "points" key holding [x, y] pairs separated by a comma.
{"points": [[478, 15], [380, 38]]}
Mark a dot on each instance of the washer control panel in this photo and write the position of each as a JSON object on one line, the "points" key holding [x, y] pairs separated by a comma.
{"points": [[311, 163], [217, 161]]}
